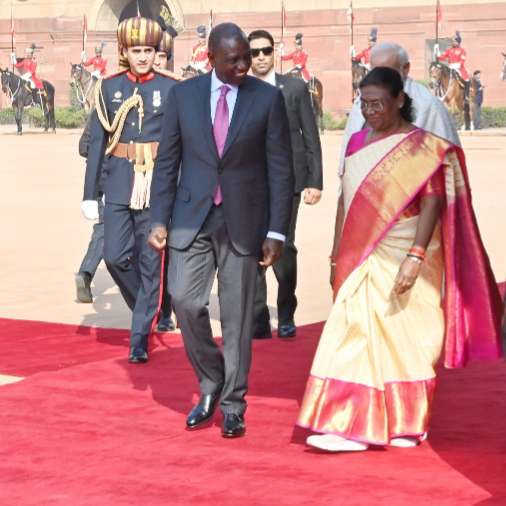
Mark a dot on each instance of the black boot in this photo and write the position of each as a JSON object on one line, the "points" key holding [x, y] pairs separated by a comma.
{"points": [[35, 98], [467, 91]]}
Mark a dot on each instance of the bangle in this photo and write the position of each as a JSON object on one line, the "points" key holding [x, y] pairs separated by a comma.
{"points": [[419, 252], [416, 258], [333, 257], [333, 264]]}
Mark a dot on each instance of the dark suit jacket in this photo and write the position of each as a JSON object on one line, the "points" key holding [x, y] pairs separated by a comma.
{"points": [[255, 171], [307, 150]]}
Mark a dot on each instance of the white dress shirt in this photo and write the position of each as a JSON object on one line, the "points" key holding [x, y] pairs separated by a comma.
{"points": [[231, 97]]}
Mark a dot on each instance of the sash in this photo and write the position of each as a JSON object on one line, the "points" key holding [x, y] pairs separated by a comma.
{"points": [[472, 304]]}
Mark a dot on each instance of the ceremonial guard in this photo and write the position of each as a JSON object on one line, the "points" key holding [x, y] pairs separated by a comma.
{"points": [[99, 62], [200, 56], [29, 76], [299, 57], [456, 57], [130, 106], [366, 53]]}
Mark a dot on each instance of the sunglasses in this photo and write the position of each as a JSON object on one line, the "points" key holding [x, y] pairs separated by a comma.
{"points": [[267, 51]]}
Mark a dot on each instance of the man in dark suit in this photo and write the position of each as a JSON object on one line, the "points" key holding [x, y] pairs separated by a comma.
{"points": [[223, 179], [307, 157]]}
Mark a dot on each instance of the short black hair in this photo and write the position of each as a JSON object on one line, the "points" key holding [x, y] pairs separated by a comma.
{"points": [[261, 34], [389, 79], [224, 31], [476, 72]]}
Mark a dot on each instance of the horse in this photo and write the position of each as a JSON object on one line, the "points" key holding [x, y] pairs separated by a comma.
{"points": [[84, 84], [191, 71], [20, 96], [503, 71], [316, 95], [358, 72], [444, 81]]}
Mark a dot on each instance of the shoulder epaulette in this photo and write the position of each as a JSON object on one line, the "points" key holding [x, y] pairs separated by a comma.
{"points": [[168, 73], [116, 73]]}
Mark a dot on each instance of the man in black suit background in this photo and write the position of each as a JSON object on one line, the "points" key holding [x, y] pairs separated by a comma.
{"points": [[223, 179], [307, 157]]}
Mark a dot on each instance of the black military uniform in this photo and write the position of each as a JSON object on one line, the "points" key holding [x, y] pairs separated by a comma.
{"points": [[126, 183]]}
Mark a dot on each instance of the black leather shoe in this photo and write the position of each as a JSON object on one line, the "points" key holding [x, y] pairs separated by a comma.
{"points": [[83, 287], [287, 330], [262, 330], [233, 425], [203, 411], [165, 324], [138, 355]]}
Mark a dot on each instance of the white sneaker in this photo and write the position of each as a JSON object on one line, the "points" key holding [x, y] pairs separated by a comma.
{"points": [[333, 443]]}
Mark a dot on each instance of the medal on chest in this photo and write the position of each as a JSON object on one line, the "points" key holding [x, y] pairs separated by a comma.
{"points": [[157, 99]]}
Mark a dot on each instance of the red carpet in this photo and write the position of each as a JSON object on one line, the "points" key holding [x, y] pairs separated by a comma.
{"points": [[89, 429]]}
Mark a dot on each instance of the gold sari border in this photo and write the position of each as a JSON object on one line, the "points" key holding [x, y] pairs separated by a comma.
{"points": [[367, 414]]}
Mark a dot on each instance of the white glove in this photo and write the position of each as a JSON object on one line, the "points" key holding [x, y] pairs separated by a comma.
{"points": [[436, 50], [83, 56], [13, 59], [298, 67], [90, 209], [352, 50], [281, 49]]}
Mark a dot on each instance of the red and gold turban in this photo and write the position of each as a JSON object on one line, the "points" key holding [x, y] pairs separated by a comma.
{"points": [[166, 44], [136, 32]]}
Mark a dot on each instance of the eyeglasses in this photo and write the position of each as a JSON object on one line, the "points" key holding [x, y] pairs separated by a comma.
{"points": [[267, 51], [373, 106]]}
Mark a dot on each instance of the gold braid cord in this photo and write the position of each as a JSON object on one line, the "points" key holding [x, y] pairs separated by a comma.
{"points": [[168, 73], [119, 120]]}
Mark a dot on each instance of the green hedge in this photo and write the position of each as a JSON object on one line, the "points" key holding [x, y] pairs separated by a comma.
{"points": [[330, 123], [491, 117], [65, 117]]}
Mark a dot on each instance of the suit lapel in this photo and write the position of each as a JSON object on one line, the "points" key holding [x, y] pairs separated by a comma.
{"points": [[203, 101], [245, 99]]}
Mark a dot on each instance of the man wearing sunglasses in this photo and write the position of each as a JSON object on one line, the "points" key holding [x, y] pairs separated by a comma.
{"points": [[307, 156]]}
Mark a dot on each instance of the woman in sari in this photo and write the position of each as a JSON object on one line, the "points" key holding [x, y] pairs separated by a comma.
{"points": [[404, 223]]}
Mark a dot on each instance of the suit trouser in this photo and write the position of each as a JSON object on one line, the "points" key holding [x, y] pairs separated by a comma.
{"points": [[285, 270], [191, 276], [477, 116], [94, 254], [127, 230], [166, 306]]}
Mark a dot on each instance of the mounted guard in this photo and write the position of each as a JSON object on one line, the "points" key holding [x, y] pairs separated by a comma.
{"points": [[366, 53], [29, 64], [99, 62], [200, 55], [456, 56], [299, 57]]}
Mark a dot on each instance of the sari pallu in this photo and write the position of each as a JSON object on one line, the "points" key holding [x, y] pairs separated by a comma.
{"points": [[373, 377]]}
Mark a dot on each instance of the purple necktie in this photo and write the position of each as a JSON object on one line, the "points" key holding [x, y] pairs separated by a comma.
{"points": [[220, 130]]}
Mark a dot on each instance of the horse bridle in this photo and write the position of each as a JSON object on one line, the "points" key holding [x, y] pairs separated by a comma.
{"points": [[12, 95], [79, 83], [441, 94]]}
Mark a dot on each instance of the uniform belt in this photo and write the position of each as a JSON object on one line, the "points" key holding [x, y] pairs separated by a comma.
{"points": [[128, 151]]}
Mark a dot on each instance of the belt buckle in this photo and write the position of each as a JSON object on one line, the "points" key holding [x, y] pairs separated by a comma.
{"points": [[130, 156]]}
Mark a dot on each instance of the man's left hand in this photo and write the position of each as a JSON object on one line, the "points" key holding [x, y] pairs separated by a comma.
{"points": [[272, 250], [312, 196]]}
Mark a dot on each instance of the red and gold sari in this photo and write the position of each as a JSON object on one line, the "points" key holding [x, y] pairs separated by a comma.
{"points": [[373, 375]]}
